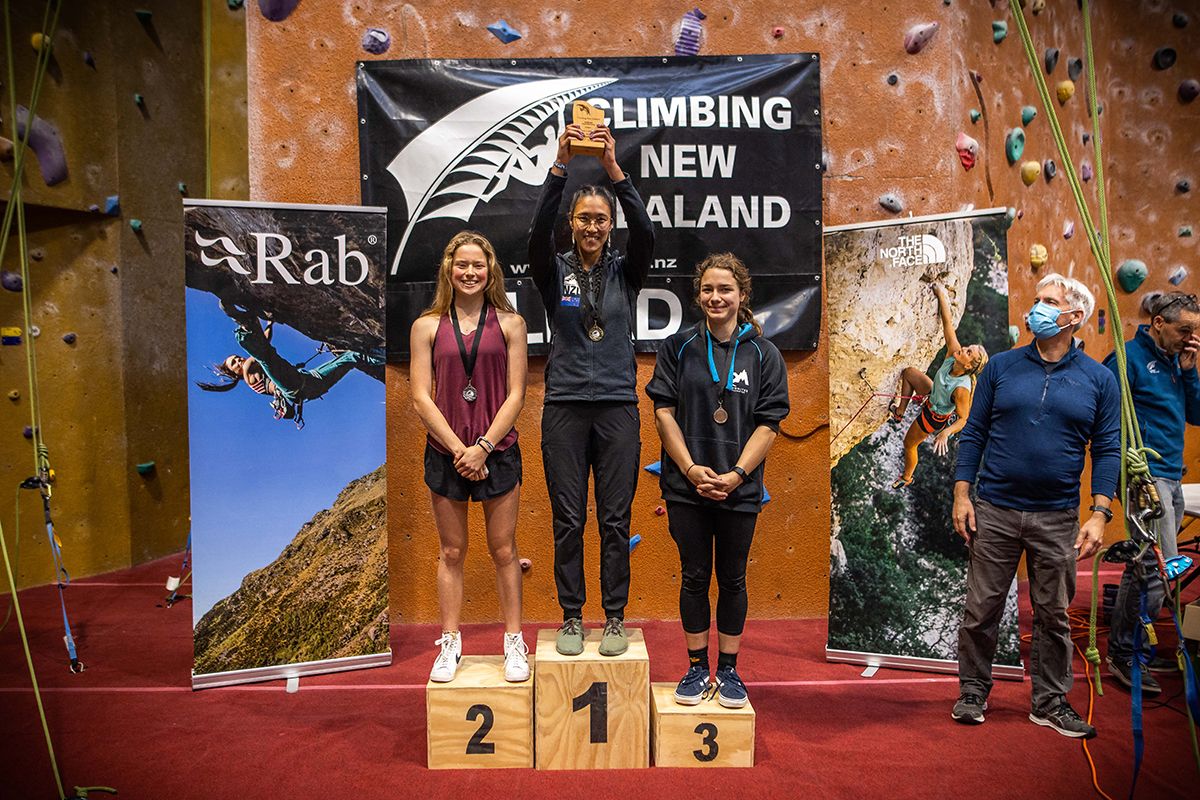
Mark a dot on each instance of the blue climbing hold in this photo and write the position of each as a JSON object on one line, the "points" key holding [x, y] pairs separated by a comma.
{"points": [[654, 469], [69, 338], [975, 115], [1178, 275], [634, 541], [999, 31], [112, 205], [1014, 145], [136, 224], [503, 31], [1131, 273], [1027, 114]]}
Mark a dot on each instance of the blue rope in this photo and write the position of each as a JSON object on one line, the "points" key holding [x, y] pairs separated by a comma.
{"points": [[1139, 742]]}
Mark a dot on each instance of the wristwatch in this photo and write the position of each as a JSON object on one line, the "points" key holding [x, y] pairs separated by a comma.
{"points": [[741, 473], [560, 165], [1107, 512]]}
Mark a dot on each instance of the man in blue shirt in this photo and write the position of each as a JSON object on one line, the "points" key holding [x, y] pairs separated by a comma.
{"points": [[1035, 411], [1161, 365]]}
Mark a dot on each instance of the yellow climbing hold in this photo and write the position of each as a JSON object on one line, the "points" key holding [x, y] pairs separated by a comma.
{"points": [[1030, 171], [1065, 91], [1038, 256], [39, 40]]}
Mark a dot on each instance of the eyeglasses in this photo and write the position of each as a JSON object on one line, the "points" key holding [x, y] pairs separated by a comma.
{"points": [[1189, 299], [584, 221]]}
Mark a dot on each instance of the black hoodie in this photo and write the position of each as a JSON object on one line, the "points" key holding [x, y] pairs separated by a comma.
{"points": [[759, 396]]}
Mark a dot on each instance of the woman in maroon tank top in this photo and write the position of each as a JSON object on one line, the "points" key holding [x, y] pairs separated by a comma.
{"points": [[468, 372]]}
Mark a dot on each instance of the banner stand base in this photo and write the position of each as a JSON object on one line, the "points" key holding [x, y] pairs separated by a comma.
{"points": [[876, 660]]}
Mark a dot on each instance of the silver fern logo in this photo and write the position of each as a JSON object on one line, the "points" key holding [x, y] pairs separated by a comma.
{"points": [[470, 155]]}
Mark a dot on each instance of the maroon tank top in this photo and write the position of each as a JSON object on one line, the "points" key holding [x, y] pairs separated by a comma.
{"points": [[471, 420]]}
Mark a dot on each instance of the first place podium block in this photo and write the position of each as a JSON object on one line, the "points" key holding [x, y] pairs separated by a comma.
{"points": [[593, 711], [703, 735], [479, 720]]}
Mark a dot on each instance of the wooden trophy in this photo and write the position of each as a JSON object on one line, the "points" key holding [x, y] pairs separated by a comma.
{"points": [[587, 117]]}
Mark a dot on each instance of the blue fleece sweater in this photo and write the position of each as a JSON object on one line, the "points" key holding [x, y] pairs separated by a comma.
{"points": [[1030, 424], [1167, 400]]}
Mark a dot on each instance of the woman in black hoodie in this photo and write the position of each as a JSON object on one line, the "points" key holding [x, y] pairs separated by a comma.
{"points": [[719, 392]]}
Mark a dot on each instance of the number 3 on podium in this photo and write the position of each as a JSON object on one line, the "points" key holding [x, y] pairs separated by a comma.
{"points": [[596, 700], [709, 732]]}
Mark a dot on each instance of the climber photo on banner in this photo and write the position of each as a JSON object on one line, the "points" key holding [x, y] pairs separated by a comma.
{"points": [[914, 307], [289, 521]]}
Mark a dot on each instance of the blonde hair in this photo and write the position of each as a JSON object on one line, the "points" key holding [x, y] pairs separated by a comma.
{"points": [[494, 292], [741, 275]]}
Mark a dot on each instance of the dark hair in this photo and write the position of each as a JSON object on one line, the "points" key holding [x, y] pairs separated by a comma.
{"points": [[221, 371], [591, 190], [1169, 305], [741, 276]]}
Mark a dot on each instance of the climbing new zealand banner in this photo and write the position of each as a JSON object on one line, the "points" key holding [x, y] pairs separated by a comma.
{"points": [[285, 348], [724, 150], [897, 569]]}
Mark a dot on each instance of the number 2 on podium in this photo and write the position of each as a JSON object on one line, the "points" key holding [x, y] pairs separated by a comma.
{"points": [[595, 699], [477, 746]]}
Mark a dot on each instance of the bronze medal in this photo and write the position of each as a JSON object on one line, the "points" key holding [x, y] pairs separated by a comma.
{"points": [[720, 416]]}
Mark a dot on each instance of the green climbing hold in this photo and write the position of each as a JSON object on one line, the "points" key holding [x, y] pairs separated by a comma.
{"points": [[975, 115], [182, 187], [1185, 231], [1027, 114], [999, 31], [1131, 273], [1014, 333], [145, 468], [138, 99], [144, 15], [1014, 145], [136, 224]]}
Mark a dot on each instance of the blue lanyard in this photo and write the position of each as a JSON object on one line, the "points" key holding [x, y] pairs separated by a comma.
{"points": [[712, 365]]}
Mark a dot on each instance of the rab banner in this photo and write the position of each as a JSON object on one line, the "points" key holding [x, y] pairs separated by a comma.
{"points": [[724, 150], [898, 570], [285, 346]]}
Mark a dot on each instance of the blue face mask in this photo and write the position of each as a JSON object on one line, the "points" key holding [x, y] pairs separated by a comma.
{"points": [[1043, 320]]}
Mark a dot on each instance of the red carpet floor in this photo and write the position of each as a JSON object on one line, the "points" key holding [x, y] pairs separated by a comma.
{"points": [[132, 722]]}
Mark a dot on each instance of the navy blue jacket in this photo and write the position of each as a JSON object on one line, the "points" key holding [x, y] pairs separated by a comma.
{"points": [[1030, 425], [1167, 400], [579, 369]]}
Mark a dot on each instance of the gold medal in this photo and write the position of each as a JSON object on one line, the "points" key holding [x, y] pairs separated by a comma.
{"points": [[595, 333]]}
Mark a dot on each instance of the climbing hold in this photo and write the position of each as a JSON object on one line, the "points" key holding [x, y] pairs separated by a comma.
{"points": [[1010, 214], [139, 100], [691, 33], [11, 280], [1189, 90], [777, 32], [113, 270], [6, 149], [1101, 320], [277, 10], [1085, 170], [918, 36], [893, 79], [1050, 59], [235, 5], [1020, 213], [95, 209], [1185, 231], [45, 142], [1014, 145], [1037, 6], [999, 31], [1027, 114], [1068, 229], [10, 336], [146, 16], [376, 41], [1180, 20], [968, 150], [976, 76], [112, 205], [182, 187], [145, 468], [89, 59], [1049, 169], [14, 395], [1099, 109], [1014, 333], [37, 254], [1131, 273], [136, 224], [1074, 68], [526, 564], [1177, 277], [1164, 58], [1065, 91], [69, 338], [975, 115], [35, 331], [891, 202], [40, 40], [634, 541], [1030, 171], [1087, 137], [503, 31], [27, 432], [1038, 256], [659, 511], [1184, 186]]}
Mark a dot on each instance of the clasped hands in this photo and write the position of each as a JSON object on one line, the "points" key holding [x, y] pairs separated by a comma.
{"points": [[471, 462], [712, 485]]}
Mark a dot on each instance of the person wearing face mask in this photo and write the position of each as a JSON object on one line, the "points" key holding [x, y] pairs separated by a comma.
{"points": [[590, 416], [1161, 367], [1036, 411]]}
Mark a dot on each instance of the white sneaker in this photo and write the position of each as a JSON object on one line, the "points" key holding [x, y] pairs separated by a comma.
{"points": [[516, 658], [446, 664]]}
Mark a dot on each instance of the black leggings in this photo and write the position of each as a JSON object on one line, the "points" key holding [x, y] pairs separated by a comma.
{"points": [[698, 531]]}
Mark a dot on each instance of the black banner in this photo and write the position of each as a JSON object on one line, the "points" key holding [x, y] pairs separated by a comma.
{"points": [[724, 150]]}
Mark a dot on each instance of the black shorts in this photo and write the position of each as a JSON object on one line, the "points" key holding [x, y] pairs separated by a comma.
{"points": [[504, 472], [932, 422]]}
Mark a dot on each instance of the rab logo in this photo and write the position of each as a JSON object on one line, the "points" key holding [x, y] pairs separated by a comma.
{"points": [[273, 249], [468, 156], [915, 251], [1152, 366]]}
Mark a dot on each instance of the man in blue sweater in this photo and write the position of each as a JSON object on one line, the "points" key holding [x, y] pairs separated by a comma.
{"points": [[1035, 411], [1161, 365]]}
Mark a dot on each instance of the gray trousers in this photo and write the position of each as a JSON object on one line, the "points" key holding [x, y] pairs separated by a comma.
{"points": [[1126, 609], [1047, 538]]}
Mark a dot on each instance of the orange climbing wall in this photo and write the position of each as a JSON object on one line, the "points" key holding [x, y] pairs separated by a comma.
{"points": [[879, 137]]}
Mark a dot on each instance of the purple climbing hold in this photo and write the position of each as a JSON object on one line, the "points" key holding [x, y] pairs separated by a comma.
{"points": [[27, 432], [1085, 170], [1068, 229], [1164, 58], [1184, 186], [69, 338], [11, 281], [691, 32], [89, 59], [376, 41], [112, 205], [1102, 320], [503, 31], [891, 202], [1050, 59], [95, 209], [1189, 90], [277, 10], [918, 36], [45, 142], [976, 76]]}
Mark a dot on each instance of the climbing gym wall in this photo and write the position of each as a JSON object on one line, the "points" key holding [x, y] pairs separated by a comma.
{"points": [[120, 117], [895, 101]]}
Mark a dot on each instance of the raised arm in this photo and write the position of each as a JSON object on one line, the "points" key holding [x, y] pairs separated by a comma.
{"points": [[541, 229], [639, 253], [943, 301]]}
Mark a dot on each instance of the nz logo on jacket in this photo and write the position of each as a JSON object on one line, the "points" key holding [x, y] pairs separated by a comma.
{"points": [[469, 156]]}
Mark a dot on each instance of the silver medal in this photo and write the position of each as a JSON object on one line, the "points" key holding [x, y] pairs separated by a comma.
{"points": [[469, 394]]}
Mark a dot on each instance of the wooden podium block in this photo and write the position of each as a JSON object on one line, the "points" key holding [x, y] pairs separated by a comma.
{"points": [[593, 711], [479, 720], [704, 735]]}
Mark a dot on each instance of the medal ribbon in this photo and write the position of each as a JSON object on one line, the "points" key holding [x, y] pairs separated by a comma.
{"points": [[468, 361], [712, 365], [590, 310]]}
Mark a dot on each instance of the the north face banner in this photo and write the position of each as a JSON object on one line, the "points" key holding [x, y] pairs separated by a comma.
{"points": [[725, 152]]}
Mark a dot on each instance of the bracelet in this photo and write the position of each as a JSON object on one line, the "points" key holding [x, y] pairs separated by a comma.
{"points": [[741, 473], [560, 165], [687, 472], [488, 447], [1107, 512]]}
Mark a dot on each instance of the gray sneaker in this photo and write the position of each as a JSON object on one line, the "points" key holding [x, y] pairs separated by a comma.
{"points": [[1063, 719], [570, 637], [614, 641], [1123, 672], [969, 709]]}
